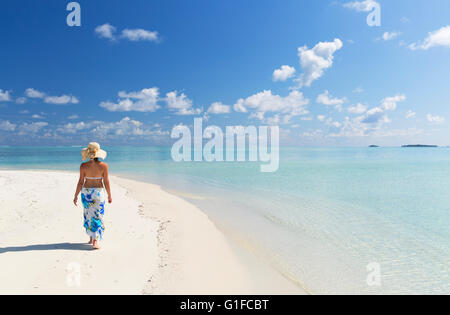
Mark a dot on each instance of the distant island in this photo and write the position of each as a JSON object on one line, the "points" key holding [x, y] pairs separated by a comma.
{"points": [[419, 146], [374, 146]]}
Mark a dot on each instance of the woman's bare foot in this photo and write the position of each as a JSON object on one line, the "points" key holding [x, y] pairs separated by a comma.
{"points": [[95, 245], [91, 241]]}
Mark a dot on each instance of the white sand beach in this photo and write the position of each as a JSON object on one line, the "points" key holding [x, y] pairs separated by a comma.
{"points": [[155, 243]]}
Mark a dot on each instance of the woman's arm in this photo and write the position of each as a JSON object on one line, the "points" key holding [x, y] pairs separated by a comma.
{"points": [[106, 181], [79, 185]]}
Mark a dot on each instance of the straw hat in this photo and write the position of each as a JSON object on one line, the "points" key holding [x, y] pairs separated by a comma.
{"points": [[93, 151]]}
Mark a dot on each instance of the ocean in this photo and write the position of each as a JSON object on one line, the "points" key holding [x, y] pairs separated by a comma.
{"points": [[332, 220]]}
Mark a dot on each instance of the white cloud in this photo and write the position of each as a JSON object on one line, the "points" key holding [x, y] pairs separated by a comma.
{"points": [[73, 117], [327, 99], [377, 115], [410, 114], [313, 134], [4, 96], [373, 116], [410, 132], [36, 116], [73, 128], [321, 117], [357, 128], [358, 90], [390, 103], [124, 127], [145, 100], [61, 100], [336, 124], [32, 128], [390, 35], [360, 126], [106, 31], [274, 120], [219, 108], [284, 73], [5, 125], [139, 34], [58, 100], [435, 119], [181, 104], [21, 100], [405, 20], [357, 109], [437, 38], [361, 6], [316, 60], [239, 106], [261, 103], [369, 123], [32, 93]]}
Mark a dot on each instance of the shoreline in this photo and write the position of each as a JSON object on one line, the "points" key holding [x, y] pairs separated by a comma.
{"points": [[186, 252]]}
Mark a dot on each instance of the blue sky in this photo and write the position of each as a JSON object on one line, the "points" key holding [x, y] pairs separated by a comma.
{"points": [[134, 70]]}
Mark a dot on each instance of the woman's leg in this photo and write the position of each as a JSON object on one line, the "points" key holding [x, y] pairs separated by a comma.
{"points": [[96, 245]]}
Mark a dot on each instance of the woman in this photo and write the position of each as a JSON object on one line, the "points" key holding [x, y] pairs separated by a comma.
{"points": [[92, 183]]}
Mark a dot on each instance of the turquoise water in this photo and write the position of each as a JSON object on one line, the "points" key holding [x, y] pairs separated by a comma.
{"points": [[320, 220]]}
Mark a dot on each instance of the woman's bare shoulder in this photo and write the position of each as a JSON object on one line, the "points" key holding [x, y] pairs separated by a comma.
{"points": [[104, 165]]}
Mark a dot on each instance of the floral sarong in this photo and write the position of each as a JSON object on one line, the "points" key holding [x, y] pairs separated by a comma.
{"points": [[94, 200]]}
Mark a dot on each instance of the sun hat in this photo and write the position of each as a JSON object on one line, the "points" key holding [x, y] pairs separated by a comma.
{"points": [[93, 151]]}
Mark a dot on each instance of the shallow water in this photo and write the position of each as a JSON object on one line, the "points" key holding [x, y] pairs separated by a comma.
{"points": [[320, 220]]}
